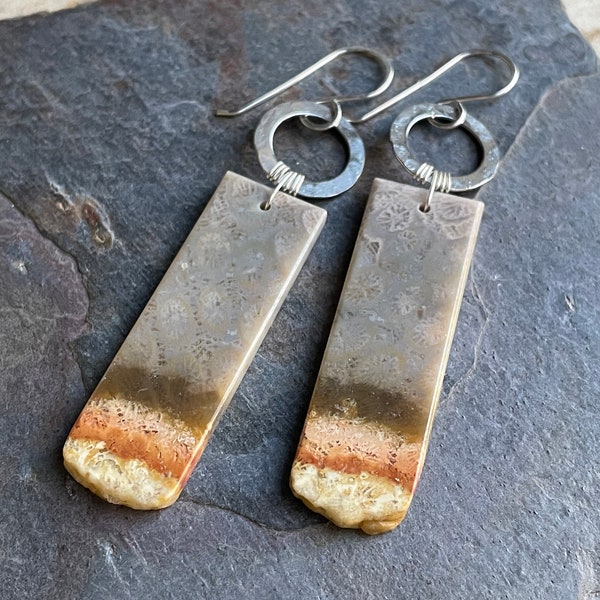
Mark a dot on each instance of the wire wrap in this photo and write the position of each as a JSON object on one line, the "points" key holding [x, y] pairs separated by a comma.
{"points": [[285, 180], [439, 181]]}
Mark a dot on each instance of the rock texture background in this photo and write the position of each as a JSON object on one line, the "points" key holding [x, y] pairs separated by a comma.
{"points": [[109, 151]]}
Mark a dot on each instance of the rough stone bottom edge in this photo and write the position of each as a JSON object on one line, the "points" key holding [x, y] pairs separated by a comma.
{"points": [[118, 480], [363, 501]]}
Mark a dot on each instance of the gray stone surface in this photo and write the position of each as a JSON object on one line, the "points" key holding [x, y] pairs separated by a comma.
{"points": [[109, 152]]}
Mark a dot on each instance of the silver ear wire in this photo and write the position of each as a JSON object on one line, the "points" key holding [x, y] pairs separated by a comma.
{"points": [[384, 63], [456, 102]]}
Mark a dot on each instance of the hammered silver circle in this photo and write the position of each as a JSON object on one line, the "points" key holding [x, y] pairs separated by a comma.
{"points": [[408, 118], [272, 119]]}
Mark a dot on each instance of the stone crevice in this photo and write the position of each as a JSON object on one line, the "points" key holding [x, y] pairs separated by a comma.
{"points": [[49, 239], [256, 522]]}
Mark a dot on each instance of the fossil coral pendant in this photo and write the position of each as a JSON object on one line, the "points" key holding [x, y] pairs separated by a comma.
{"points": [[370, 417], [150, 417]]}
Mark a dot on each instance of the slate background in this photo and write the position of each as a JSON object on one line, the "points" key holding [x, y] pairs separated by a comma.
{"points": [[109, 151]]}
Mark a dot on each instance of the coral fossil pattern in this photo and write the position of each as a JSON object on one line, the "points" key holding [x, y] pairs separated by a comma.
{"points": [[369, 421], [147, 422]]}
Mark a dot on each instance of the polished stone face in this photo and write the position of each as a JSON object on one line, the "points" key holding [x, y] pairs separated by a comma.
{"points": [[369, 421], [150, 417]]}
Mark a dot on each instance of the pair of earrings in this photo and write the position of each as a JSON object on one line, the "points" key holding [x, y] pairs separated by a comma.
{"points": [[369, 421]]}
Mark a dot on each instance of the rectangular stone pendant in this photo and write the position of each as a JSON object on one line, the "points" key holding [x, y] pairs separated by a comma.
{"points": [[370, 417], [146, 424]]}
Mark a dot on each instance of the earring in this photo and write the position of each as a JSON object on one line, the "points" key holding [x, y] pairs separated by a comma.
{"points": [[368, 426], [148, 420]]}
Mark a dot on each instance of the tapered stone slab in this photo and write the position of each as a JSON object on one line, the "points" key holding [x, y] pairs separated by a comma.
{"points": [[369, 421], [146, 424]]}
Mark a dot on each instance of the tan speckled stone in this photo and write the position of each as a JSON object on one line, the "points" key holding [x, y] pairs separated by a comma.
{"points": [[369, 421], [148, 421]]}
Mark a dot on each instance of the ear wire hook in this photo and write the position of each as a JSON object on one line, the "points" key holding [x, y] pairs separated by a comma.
{"points": [[336, 101], [456, 102]]}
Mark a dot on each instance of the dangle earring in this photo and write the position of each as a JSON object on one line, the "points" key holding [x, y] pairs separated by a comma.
{"points": [[368, 426], [146, 424]]}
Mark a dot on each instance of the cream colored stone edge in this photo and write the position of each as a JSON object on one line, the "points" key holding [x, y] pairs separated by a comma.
{"points": [[11, 9], [585, 15], [121, 481], [366, 501]]}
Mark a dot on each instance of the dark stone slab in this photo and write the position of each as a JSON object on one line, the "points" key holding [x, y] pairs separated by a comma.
{"points": [[110, 151]]}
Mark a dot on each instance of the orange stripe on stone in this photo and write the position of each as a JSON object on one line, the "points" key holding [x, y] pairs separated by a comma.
{"points": [[355, 447], [155, 441]]}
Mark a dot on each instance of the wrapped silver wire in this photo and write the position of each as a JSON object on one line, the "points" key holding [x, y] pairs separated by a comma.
{"points": [[286, 180]]}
